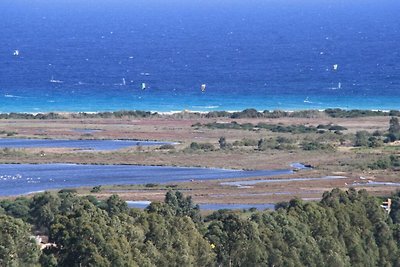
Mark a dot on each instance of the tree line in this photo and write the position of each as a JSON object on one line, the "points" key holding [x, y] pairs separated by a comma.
{"points": [[246, 113]]}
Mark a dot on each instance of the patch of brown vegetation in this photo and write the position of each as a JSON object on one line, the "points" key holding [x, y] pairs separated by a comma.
{"points": [[343, 161]]}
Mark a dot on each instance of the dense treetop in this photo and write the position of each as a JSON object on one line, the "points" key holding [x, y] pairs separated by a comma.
{"points": [[346, 228]]}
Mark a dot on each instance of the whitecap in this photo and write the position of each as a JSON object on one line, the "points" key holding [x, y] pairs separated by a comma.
{"points": [[206, 107], [12, 96]]}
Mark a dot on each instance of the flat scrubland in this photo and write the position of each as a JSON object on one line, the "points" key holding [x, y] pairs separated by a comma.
{"points": [[327, 143]]}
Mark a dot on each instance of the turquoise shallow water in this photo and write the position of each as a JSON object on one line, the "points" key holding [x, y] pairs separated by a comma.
{"points": [[203, 103], [307, 54]]}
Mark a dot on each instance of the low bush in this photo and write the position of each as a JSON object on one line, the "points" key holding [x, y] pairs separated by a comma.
{"points": [[202, 146], [315, 145], [96, 189], [391, 162], [167, 147], [150, 185]]}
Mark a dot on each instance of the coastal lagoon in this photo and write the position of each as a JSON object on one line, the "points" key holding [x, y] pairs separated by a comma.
{"points": [[17, 179], [77, 144]]}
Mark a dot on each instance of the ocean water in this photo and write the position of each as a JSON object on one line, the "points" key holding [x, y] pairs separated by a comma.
{"points": [[91, 55]]}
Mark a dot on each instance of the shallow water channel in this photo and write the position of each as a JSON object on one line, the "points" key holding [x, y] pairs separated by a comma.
{"points": [[78, 144], [16, 179]]}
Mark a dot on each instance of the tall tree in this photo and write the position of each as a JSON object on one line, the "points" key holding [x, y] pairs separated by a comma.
{"points": [[361, 138], [44, 208], [17, 247], [222, 142], [394, 129], [181, 205]]}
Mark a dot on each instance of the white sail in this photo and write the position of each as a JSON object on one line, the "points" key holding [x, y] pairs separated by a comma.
{"points": [[52, 80]]}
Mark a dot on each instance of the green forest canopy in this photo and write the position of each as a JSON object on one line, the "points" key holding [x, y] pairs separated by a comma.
{"points": [[346, 228]]}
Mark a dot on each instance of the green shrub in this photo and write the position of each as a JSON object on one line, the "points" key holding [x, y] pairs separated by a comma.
{"points": [[247, 113], [166, 147], [380, 164], [207, 146], [194, 146], [337, 128], [202, 146], [361, 138], [151, 185], [394, 129], [249, 142], [67, 190], [197, 125], [355, 113], [96, 189], [374, 142], [377, 133], [217, 114], [385, 163], [315, 145], [323, 126], [222, 142], [262, 144]]}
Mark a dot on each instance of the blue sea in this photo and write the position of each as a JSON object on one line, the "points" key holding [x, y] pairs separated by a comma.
{"points": [[86, 55]]}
